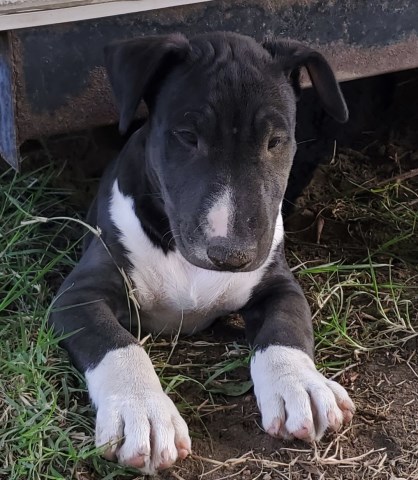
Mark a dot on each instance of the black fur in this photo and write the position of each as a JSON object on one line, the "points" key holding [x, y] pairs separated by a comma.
{"points": [[215, 102]]}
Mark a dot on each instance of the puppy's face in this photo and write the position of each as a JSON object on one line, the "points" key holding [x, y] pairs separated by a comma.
{"points": [[221, 137], [221, 143]]}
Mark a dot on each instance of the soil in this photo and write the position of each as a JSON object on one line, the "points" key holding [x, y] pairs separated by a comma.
{"points": [[378, 444], [379, 143]]}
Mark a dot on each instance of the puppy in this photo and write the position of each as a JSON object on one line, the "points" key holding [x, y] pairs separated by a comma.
{"points": [[191, 212]]}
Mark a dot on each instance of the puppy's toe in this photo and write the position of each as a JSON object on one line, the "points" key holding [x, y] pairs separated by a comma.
{"points": [[273, 415], [109, 432], [334, 421], [305, 432], [136, 449], [137, 461], [181, 438], [275, 427], [327, 414], [299, 422], [164, 451], [166, 459], [344, 402]]}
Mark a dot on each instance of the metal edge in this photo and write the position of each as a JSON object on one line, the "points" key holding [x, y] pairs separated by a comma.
{"points": [[85, 12], [8, 137]]}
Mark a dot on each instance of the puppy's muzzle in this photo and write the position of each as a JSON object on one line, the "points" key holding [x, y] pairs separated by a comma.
{"points": [[227, 257]]}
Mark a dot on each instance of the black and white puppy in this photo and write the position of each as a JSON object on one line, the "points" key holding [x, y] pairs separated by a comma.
{"points": [[191, 211]]}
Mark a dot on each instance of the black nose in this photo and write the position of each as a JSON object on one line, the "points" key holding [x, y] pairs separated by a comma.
{"points": [[229, 258]]}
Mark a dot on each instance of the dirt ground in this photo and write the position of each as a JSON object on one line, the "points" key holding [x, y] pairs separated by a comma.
{"points": [[382, 441], [378, 444], [381, 148]]}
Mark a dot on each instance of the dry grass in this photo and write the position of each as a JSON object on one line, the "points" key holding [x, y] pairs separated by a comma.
{"points": [[363, 293]]}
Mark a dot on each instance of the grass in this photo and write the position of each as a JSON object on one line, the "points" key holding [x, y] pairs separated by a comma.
{"points": [[43, 427], [47, 425], [359, 305]]}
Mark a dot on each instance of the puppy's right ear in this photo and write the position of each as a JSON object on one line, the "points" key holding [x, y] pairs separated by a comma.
{"points": [[291, 56], [136, 67]]}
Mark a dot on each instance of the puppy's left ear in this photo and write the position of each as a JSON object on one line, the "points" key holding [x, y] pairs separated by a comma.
{"points": [[137, 67], [291, 56]]}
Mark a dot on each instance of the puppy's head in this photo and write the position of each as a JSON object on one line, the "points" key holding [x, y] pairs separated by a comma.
{"points": [[222, 112]]}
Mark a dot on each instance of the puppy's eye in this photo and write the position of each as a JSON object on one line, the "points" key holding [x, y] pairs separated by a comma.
{"points": [[274, 142], [186, 137]]}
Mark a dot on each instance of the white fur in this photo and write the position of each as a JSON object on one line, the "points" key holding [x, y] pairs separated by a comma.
{"points": [[220, 215], [287, 384], [173, 293], [132, 408]]}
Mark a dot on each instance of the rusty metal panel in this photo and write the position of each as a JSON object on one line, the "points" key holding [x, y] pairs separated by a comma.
{"points": [[61, 84], [35, 13]]}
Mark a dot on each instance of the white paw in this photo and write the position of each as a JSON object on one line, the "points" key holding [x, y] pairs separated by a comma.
{"points": [[136, 420], [296, 400]]}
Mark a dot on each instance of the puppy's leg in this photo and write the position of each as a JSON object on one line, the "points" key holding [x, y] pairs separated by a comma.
{"points": [[295, 400], [135, 418]]}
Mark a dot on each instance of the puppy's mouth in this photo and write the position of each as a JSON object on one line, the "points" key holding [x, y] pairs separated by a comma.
{"points": [[220, 254]]}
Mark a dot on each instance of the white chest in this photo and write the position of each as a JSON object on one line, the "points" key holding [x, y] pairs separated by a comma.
{"points": [[173, 293]]}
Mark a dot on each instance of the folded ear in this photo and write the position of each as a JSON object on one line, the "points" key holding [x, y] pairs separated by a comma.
{"points": [[136, 67], [291, 56]]}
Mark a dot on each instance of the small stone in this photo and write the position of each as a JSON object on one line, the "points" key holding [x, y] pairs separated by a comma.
{"points": [[246, 472], [267, 476]]}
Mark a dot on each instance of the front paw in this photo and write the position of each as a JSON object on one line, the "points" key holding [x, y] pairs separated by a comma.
{"points": [[295, 400], [137, 422]]}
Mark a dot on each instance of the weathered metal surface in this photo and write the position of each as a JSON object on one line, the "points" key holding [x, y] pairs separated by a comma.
{"points": [[8, 146], [34, 13], [61, 84]]}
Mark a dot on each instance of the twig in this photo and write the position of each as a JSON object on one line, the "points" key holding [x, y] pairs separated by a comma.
{"points": [[398, 178], [177, 476], [344, 370]]}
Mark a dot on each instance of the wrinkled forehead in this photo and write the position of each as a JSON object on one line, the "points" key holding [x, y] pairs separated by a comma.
{"points": [[229, 79]]}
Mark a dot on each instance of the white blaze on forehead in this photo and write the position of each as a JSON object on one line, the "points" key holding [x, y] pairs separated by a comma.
{"points": [[220, 215]]}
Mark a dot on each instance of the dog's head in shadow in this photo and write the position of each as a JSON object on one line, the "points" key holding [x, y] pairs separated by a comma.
{"points": [[220, 138]]}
